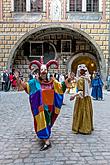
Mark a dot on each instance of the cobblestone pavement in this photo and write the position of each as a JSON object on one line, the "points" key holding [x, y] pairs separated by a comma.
{"points": [[19, 145]]}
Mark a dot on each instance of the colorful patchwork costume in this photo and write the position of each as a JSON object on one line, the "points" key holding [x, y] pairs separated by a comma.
{"points": [[46, 99]]}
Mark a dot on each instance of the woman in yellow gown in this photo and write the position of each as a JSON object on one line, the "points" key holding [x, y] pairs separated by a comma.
{"points": [[83, 111]]}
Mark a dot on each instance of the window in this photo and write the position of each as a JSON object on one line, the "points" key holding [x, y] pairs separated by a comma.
{"points": [[39, 48], [29, 5], [20, 5], [48, 52], [36, 5], [88, 5], [76, 5], [92, 5], [66, 46], [36, 49]]}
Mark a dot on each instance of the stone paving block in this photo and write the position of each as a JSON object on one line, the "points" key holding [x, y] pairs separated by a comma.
{"points": [[19, 145]]}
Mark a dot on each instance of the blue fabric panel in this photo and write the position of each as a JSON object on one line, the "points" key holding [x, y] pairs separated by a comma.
{"points": [[58, 100]]}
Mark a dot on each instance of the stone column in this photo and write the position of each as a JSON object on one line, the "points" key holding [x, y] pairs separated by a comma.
{"points": [[64, 9], [67, 5], [12, 5], [83, 5], [28, 5], [44, 5], [102, 8], [47, 9]]}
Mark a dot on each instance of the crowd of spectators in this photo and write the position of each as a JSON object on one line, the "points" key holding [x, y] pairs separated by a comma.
{"points": [[8, 81]]}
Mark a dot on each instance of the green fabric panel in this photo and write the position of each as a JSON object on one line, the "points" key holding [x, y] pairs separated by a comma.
{"points": [[63, 86], [47, 115]]}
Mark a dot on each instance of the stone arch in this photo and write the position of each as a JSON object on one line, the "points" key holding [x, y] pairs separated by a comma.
{"points": [[52, 26], [75, 60], [75, 56]]}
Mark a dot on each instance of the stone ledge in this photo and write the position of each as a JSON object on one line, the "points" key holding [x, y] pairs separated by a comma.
{"points": [[27, 17]]}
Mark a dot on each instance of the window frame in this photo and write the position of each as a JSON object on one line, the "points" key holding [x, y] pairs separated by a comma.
{"points": [[37, 7], [92, 7], [27, 7], [20, 6], [31, 46], [75, 3], [62, 46], [84, 7]]}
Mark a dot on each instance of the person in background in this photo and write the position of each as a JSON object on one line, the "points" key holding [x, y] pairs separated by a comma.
{"points": [[11, 79], [6, 80], [56, 75], [83, 111], [48, 76], [14, 83], [108, 83], [2, 81], [72, 88], [97, 85], [30, 76], [61, 78]]}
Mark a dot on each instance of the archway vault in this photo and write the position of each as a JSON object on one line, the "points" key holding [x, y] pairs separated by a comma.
{"points": [[42, 30], [83, 58]]}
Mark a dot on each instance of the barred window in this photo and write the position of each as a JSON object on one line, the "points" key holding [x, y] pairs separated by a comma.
{"points": [[76, 5], [36, 5], [93, 5], [20, 5]]}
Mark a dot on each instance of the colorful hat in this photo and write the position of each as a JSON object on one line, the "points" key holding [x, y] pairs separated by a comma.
{"points": [[43, 68]]}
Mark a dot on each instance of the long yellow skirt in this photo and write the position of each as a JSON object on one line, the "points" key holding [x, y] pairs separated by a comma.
{"points": [[83, 116]]}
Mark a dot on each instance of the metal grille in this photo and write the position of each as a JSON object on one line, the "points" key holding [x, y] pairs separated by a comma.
{"points": [[36, 5], [20, 5], [93, 5], [76, 5]]}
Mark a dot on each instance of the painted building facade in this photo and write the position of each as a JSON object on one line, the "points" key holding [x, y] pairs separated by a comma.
{"points": [[71, 31]]}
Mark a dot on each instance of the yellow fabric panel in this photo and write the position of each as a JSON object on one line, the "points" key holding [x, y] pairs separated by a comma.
{"points": [[40, 117], [58, 87], [80, 84], [57, 110], [83, 115]]}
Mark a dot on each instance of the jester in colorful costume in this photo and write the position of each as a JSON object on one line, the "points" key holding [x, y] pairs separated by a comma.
{"points": [[46, 99]]}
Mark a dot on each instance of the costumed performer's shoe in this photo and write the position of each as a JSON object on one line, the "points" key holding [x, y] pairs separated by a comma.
{"points": [[45, 147]]}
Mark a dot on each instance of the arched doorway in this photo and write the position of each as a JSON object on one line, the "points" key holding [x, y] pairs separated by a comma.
{"points": [[84, 58], [60, 35]]}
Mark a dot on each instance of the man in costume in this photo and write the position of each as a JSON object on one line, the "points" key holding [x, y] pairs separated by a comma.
{"points": [[83, 112], [46, 99]]}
